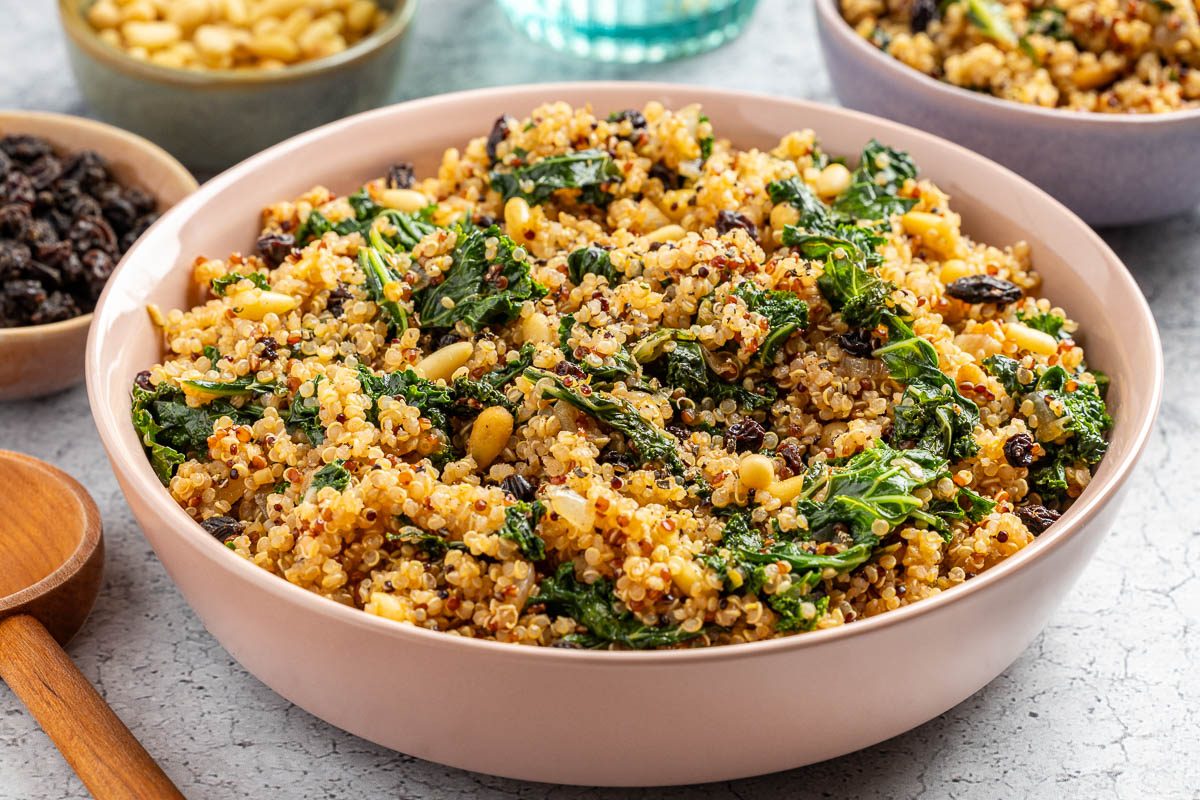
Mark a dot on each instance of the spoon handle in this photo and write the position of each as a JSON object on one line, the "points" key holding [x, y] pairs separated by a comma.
{"points": [[93, 740]]}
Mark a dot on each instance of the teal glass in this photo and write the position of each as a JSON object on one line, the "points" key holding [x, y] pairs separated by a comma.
{"points": [[630, 31]]}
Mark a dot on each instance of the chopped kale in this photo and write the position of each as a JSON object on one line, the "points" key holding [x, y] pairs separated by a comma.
{"points": [[503, 375], [991, 18], [520, 526], [872, 195], [304, 415], [587, 170], [1077, 410], [478, 290], [221, 285], [649, 441], [233, 388], [786, 313], [377, 268], [687, 367], [1005, 370], [862, 297], [594, 607], [212, 354], [1046, 322], [434, 545], [435, 401], [1049, 21], [172, 431], [932, 413], [332, 474], [591, 259], [472, 396]]}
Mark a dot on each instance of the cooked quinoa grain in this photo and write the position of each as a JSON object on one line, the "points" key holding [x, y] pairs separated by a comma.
{"points": [[680, 394], [1111, 56]]}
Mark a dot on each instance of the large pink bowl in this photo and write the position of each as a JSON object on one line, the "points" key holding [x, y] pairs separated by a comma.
{"points": [[637, 717]]}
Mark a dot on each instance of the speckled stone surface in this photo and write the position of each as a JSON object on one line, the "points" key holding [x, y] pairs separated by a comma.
{"points": [[1106, 703]]}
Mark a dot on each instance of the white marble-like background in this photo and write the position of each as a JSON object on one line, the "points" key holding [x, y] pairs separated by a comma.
{"points": [[1106, 703]]}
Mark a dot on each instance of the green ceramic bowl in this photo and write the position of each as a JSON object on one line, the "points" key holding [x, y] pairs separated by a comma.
{"points": [[210, 120]]}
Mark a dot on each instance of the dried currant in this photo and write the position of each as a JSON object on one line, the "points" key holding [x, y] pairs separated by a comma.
{"points": [[730, 220], [222, 527], [519, 487], [923, 12], [858, 343], [1018, 450], [275, 247], [1038, 518], [746, 434], [401, 175], [498, 134]]}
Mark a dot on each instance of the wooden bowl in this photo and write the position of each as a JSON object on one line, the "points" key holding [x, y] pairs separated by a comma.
{"points": [[37, 360]]}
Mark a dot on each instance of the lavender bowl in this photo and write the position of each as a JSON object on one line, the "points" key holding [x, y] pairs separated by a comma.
{"points": [[1110, 169]]}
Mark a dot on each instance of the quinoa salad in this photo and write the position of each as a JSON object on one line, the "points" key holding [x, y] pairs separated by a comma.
{"points": [[604, 380], [1113, 56]]}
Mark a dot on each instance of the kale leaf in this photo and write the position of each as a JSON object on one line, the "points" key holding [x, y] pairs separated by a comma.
{"points": [[435, 401], [332, 474], [478, 290], [872, 195], [1005, 370], [650, 442], [233, 388], [991, 18], [472, 396], [862, 297], [172, 431], [1079, 411], [377, 268], [304, 415], [587, 170], [591, 259], [687, 368], [1044, 321], [221, 285], [786, 313], [503, 375], [520, 526], [594, 607]]}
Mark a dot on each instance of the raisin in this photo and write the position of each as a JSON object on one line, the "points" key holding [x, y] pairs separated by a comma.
{"points": [[792, 455], [24, 147], [621, 460], [142, 381], [1037, 518], [984, 289], [222, 527], [88, 168], [1018, 450], [566, 368], [519, 487], [670, 179], [270, 347], [446, 339], [730, 220], [57, 307], [746, 434], [17, 188], [401, 175], [44, 172], [93, 233], [857, 343], [40, 232], [15, 219], [14, 257], [499, 134], [119, 212], [335, 303], [275, 247], [923, 13], [142, 202]]}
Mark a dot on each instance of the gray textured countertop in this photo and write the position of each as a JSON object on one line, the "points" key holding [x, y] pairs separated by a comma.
{"points": [[1105, 703]]}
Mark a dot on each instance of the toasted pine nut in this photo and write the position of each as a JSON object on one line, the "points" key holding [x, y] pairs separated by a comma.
{"points": [[359, 15], [787, 490], [667, 233], [213, 41], [489, 436], [274, 45], [407, 200], [104, 14], [517, 216], [756, 471], [1030, 339], [833, 180], [151, 35], [935, 232], [256, 303], [442, 364], [954, 269], [188, 14]]}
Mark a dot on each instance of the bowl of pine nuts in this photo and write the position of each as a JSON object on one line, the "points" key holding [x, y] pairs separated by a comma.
{"points": [[258, 71]]}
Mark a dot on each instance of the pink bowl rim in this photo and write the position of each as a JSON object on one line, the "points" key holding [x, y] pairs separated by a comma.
{"points": [[837, 26], [109, 421]]}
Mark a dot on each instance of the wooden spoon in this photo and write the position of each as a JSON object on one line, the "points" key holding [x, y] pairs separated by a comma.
{"points": [[53, 555]]}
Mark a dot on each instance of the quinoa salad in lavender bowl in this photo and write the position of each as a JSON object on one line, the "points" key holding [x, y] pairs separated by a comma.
{"points": [[606, 381]]}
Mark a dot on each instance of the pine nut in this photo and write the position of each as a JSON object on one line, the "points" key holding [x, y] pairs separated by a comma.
{"points": [[442, 364], [406, 200], [489, 436]]}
